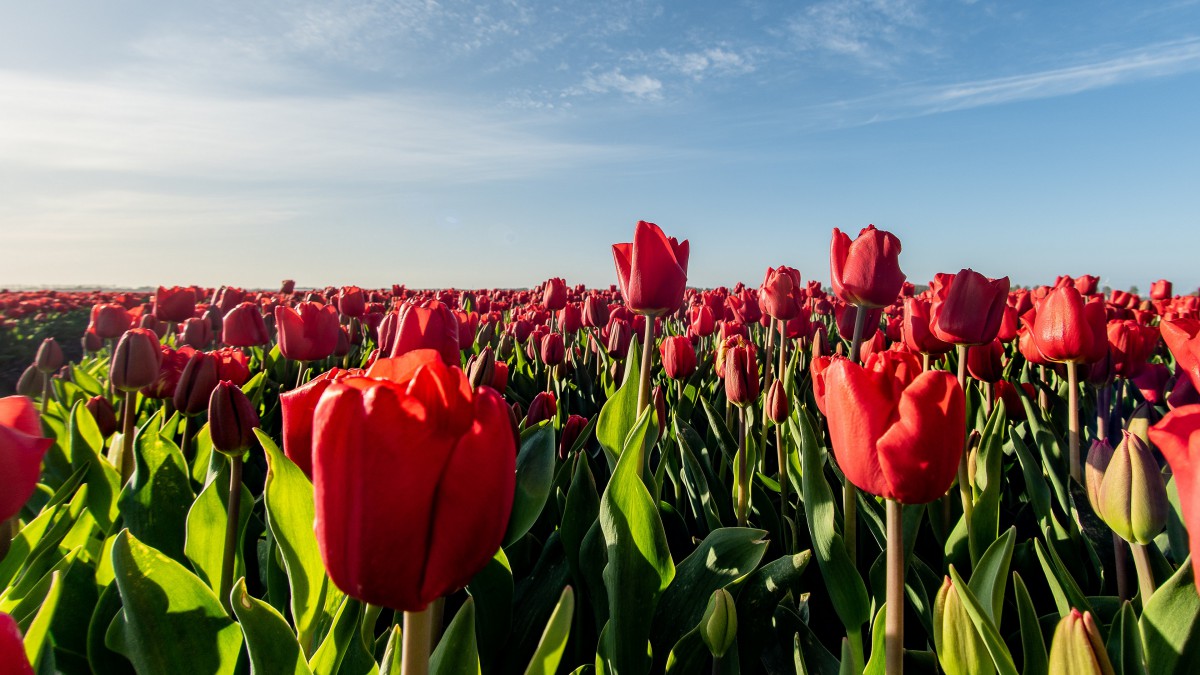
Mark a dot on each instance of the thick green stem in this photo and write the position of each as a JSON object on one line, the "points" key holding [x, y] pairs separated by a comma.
{"points": [[418, 639], [964, 479], [1145, 573], [232, 519], [1073, 420], [46, 389], [894, 619], [644, 376], [743, 501]]}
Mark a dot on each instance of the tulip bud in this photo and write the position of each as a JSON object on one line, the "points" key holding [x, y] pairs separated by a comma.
{"points": [[32, 382], [542, 407], [104, 414], [574, 426], [49, 356], [1077, 648], [91, 342], [1139, 422], [505, 349], [481, 368], [196, 384], [678, 357], [552, 349], [741, 372], [1133, 496], [718, 626], [136, 360], [778, 407], [959, 647], [231, 419], [487, 334], [1098, 458]]}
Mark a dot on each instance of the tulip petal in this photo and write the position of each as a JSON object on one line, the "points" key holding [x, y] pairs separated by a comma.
{"points": [[920, 453], [859, 412]]}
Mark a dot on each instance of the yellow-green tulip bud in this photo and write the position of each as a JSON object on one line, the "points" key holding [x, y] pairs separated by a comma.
{"points": [[960, 649], [718, 628], [1077, 648], [1133, 495]]}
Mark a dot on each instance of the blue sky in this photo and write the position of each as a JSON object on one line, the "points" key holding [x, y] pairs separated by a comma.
{"points": [[500, 143]]}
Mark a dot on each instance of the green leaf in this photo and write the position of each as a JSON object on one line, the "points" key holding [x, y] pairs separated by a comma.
{"points": [[846, 588], [878, 662], [724, 556], [155, 502], [170, 621], [1033, 645], [492, 589], [1035, 482], [35, 634], [205, 543], [695, 481], [104, 483], [535, 475], [1170, 625], [985, 518], [991, 574], [581, 511], [983, 623], [1062, 585], [288, 496], [269, 639], [100, 658], [1125, 643], [554, 639], [26, 541], [341, 642], [761, 593], [619, 414], [639, 565], [456, 653], [390, 665]]}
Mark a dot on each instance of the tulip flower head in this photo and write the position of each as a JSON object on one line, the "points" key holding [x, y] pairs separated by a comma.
{"points": [[968, 308], [21, 449], [652, 270], [307, 333], [1177, 435], [866, 271]]}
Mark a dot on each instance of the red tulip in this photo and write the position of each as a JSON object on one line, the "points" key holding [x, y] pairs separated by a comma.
{"points": [[433, 326], [618, 337], [1151, 381], [777, 406], [968, 308], [174, 304], [701, 321], [21, 449], [781, 295], [915, 329], [500, 377], [1086, 284], [49, 356], [1183, 339], [896, 434], [110, 320], [552, 351], [1177, 436], [232, 419], [1160, 290], [678, 357], [570, 318], [307, 333], [232, 365], [243, 326], [13, 660], [554, 296], [845, 315], [986, 362], [105, 415], [196, 384], [1014, 409], [298, 407], [1132, 345], [543, 407], [352, 302], [171, 365], [1009, 325], [1066, 330], [136, 360], [195, 332], [652, 270], [866, 271], [413, 481], [571, 430], [595, 311], [739, 367]]}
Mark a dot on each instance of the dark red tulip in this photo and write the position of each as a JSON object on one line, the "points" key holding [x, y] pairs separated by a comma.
{"points": [[1069, 330], [570, 318], [968, 308], [896, 434], [846, 314], [500, 376], [781, 296], [91, 342], [170, 368], [986, 362], [232, 365], [298, 407], [243, 326], [13, 660], [49, 356], [554, 295], [1009, 325], [553, 351], [287, 287], [618, 338], [739, 366], [701, 321], [351, 302], [542, 407], [595, 311], [1183, 339], [21, 450], [652, 270], [866, 272], [105, 415], [152, 323], [1014, 409], [136, 360], [195, 333], [1177, 436], [32, 382], [110, 321], [196, 383], [914, 328], [227, 298], [175, 304], [1152, 381], [307, 333], [1160, 290], [232, 419], [413, 481], [777, 406], [1183, 393], [571, 430]]}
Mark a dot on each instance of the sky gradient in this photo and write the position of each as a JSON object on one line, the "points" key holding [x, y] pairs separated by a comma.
{"points": [[497, 144]]}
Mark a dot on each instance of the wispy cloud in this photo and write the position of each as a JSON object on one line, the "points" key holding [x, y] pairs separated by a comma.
{"points": [[638, 86], [874, 32]]}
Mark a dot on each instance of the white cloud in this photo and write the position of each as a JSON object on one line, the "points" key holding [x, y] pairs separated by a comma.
{"points": [[639, 86], [874, 32]]}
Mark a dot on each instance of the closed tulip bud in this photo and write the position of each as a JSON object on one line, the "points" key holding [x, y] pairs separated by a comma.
{"points": [[22, 447], [740, 359], [778, 407], [619, 336], [570, 318], [542, 407], [968, 308], [960, 649], [1160, 290], [481, 368], [1068, 329], [487, 334], [1077, 648], [615, 370], [595, 311], [152, 323], [91, 342], [244, 326], [49, 356], [652, 270], [986, 362], [12, 649], [574, 426], [174, 304], [287, 287], [506, 346], [678, 357], [1133, 496], [1009, 325], [307, 333], [500, 377], [110, 320], [343, 342], [866, 271], [659, 398], [195, 333], [136, 360], [718, 626], [196, 384], [32, 382], [105, 415], [554, 295], [351, 302], [553, 351], [1098, 458], [231, 419]]}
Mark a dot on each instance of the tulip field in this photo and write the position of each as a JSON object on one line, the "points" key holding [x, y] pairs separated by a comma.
{"points": [[865, 473]]}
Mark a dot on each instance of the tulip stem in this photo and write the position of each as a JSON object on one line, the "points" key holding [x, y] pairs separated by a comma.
{"points": [[924, 362], [418, 642], [964, 479], [300, 375], [232, 518], [644, 380], [1103, 406], [1121, 559], [894, 617], [1141, 560], [46, 388], [768, 378], [1073, 420], [128, 417], [186, 444], [743, 502]]}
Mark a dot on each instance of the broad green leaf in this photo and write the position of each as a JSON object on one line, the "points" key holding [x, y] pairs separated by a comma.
{"points": [[492, 589], [35, 634], [170, 621], [390, 665], [759, 595], [341, 643], [581, 511], [985, 518], [456, 653], [1170, 625], [990, 575], [554, 639], [155, 502], [205, 543], [26, 541], [619, 414], [104, 483], [1125, 643], [100, 658], [1033, 645], [877, 663], [288, 496], [269, 639], [639, 565], [1066, 592], [983, 623], [724, 556], [535, 475], [695, 481]]}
